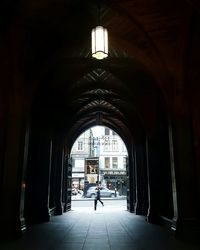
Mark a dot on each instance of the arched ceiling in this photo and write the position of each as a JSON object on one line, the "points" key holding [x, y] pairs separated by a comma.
{"points": [[147, 40]]}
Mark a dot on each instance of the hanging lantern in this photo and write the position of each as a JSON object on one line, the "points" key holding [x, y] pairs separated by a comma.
{"points": [[99, 42]]}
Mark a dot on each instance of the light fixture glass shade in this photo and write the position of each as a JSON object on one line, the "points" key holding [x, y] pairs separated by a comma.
{"points": [[99, 42]]}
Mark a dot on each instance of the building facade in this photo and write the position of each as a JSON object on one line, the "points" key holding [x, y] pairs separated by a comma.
{"points": [[112, 160], [99, 158], [81, 150]]}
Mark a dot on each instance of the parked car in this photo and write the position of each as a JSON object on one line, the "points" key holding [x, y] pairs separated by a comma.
{"points": [[87, 186], [105, 192]]}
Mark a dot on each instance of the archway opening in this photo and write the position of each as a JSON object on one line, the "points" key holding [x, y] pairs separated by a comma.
{"points": [[99, 159]]}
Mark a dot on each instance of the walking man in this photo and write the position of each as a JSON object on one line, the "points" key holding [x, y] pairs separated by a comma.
{"points": [[98, 198]]}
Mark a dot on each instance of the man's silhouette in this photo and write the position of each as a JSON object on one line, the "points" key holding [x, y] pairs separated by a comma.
{"points": [[98, 198]]}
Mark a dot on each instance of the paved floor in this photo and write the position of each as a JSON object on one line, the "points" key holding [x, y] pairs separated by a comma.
{"points": [[107, 228]]}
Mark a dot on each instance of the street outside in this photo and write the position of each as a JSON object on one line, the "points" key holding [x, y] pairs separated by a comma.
{"points": [[80, 204]]}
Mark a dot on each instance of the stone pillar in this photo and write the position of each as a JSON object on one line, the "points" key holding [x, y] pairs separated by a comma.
{"points": [[67, 184], [186, 178], [38, 176], [141, 207], [131, 185], [159, 177], [59, 161], [13, 166], [153, 165], [173, 175], [52, 192]]}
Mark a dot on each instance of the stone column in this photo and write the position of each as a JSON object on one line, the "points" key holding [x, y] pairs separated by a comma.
{"points": [[59, 161], [13, 166], [186, 178], [38, 175], [65, 180], [141, 207], [131, 185], [173, 175], [159, 177], [153, 165], [67, 184]]}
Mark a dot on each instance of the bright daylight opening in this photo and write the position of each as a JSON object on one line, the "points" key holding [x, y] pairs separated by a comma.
{"points": [[99, 161]]}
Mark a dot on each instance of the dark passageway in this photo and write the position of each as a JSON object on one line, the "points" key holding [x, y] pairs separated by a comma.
{"points": [[146, 90], [104, 229]]}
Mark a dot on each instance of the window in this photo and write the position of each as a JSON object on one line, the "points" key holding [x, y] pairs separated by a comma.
{"points": [[80, 146], [114, 145], [123, 147], [106, 143], [106, 146], [107, 162], [115, 162], [113, 132], [124, 162], [107, 131], [73, 163]]}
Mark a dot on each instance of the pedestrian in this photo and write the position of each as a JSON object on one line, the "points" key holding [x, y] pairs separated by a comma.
{"points": [[115, 192], [98, 198]]}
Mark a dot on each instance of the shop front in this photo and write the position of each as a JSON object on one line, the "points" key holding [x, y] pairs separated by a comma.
{"points": [[78, 180], [116, 179]]}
